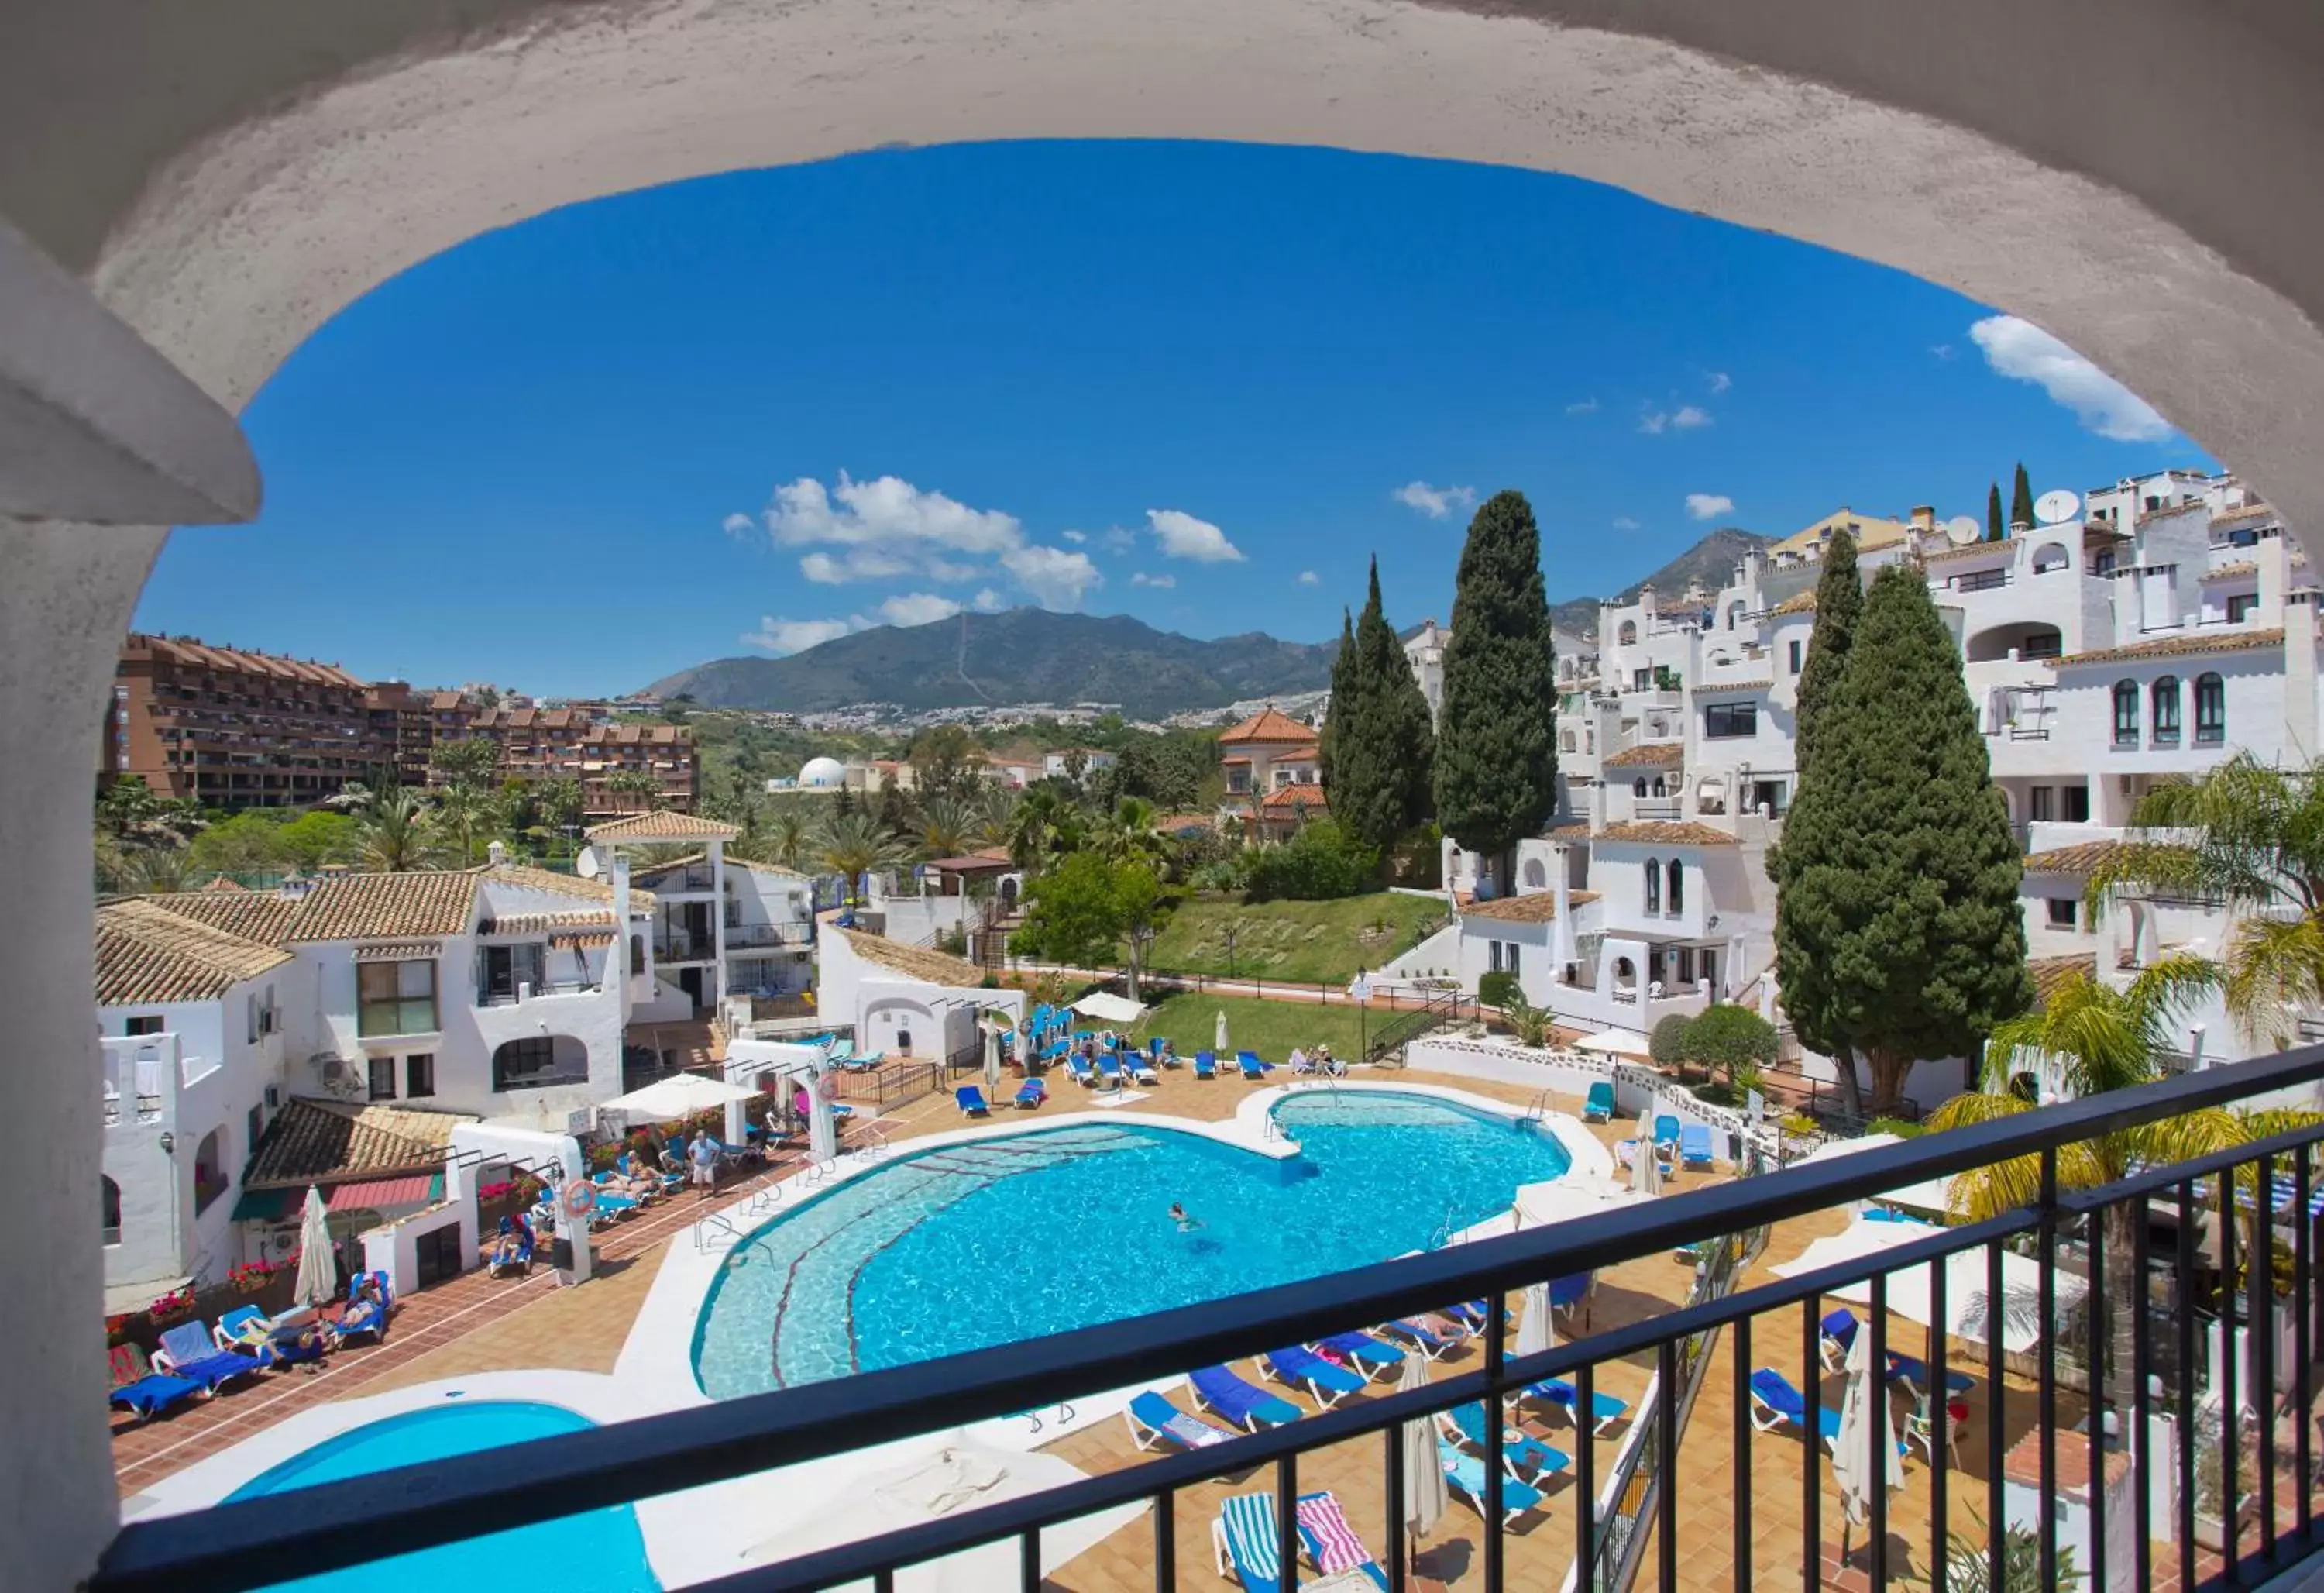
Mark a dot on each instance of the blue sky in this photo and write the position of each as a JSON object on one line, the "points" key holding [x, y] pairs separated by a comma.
{"points": [[1198, 383]]}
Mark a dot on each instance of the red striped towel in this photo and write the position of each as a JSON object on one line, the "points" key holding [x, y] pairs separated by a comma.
{"points": [[1337, 1547]]}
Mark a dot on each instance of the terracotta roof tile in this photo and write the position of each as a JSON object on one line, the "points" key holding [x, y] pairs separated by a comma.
{"points": [[146, 954], [661, 824], [534, 923], [1664, 832], [1798, 603], [1540, 907], [1271, 724], [933, 966], [1652, 754], [2051, 973], [324, 1142], [262, 916], [2248, 512], [2229, 571], [2083, 859], [1297, 798], [1714, 688], [1970, 550], [2178, 646], [525, 877], [1312, 754], [359, 906]]}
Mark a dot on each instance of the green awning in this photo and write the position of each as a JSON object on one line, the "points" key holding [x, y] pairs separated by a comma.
{"points": [[268, 1205]]}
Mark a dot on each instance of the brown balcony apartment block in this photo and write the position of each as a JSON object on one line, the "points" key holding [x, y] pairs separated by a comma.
{"points": [[236, 730]]}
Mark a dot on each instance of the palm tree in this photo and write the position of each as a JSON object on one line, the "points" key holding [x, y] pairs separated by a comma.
{"points": [[397, 833], [996, 812], [2251, 838], [789, 835], [853, 845], [946, 827], [636, 783], [462, 811], [2098, 1039], [1037, 828], [1128, 835], [157, 871], [560, 803]]}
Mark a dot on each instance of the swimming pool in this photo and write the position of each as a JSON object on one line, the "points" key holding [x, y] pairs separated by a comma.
{"points": [[1017, 1235], [598, 1552]]}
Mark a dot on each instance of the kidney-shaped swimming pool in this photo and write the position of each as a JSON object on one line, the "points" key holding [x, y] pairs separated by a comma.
{"points": [[1017, 1235]]}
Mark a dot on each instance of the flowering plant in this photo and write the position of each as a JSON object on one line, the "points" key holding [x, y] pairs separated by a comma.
{"points": [[251, 1276], [174, 1306]]}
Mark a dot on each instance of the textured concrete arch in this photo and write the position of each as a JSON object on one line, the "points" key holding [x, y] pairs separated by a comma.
{"points": [[2137, 176]]}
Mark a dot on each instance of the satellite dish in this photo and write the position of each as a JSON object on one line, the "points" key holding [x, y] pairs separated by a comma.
{"points": [[2053, 507], [587, 865], [1960, 530]]}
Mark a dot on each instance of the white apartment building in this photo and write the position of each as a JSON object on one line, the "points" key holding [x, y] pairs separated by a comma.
{"points": [[335, 1033], [2154, 635], [723, 928]]}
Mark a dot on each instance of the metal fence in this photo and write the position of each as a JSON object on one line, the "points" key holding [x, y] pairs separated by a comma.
{"points": [[343, 1523]]}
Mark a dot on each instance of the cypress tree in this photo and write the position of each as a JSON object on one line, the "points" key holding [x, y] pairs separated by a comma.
{"points": [[1345, 695], [2021, 499], [1839, 598], [1376, 783], [1898, 931], [1495, 776], [1996, 529]]}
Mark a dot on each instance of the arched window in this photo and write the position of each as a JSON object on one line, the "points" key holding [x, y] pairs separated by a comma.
{"points": [[1629, 634], [2125, 713], [2165, 714], [540, 1060], [1734, 613], [2210, 710], [2048, 557], [112, 1210], [1535, 877], [1566, 740], [1638, 786], [209, 1170], [1677, 891], [1653, 886]]}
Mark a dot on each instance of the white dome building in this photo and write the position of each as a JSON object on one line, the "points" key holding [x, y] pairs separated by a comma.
{"points": [[825, 772]]}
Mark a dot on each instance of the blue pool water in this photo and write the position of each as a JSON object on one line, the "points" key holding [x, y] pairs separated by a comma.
{"points": [[600, 1551], [1022, 1234]]}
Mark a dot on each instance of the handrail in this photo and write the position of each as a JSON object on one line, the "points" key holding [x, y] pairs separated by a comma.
{"points": [[346, 1523]]}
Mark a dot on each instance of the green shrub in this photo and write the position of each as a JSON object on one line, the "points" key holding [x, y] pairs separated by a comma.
{"points": [[1499, 988], [1667, 1043], [1898, 1126], [1323, 861], [1726, 1037], [1717, 1095]]}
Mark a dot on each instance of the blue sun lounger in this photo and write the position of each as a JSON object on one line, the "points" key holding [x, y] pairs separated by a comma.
{"points": [[1605, 1410], [1435, 1346], [1835, 1334], [1293, 1365], [972, 1101], [1154, 1421], [1666, 1136], [1774, 1403], [1466, 1473], [1472, 1314], [140, 1390], [1695, 1145], [1206, 1066], [1368, 1354], [1083, 1074], [1109, 1069], [1598, 1106], [1528, 1458], [1031, 1093], [1245, 1404], [1247, 1537], [1914, 1373], [188, 1351], [1139, 1068], [370, 1316], [1252, 1068]]}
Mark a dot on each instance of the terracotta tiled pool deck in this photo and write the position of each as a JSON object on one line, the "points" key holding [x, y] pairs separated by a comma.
{"points": [[478, 1324]]}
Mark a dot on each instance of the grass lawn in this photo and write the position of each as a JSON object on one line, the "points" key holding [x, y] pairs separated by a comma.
{"points": [[1316, 942], [1271, 1028]]}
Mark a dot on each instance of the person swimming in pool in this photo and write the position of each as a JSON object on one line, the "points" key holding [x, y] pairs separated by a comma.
{"points": [[1186, 1225]]}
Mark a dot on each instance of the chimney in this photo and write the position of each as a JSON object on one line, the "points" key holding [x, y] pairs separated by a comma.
{"points": [[496, 853], [1925, 517]]}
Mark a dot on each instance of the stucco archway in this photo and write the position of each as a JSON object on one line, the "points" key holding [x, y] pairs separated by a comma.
{"points": [[228, 175]]}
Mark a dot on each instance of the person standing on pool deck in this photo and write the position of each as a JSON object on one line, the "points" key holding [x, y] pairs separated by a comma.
{"points": [[705, 1157]]}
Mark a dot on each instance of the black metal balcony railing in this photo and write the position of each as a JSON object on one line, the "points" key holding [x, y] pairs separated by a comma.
{"points": [[343, 1523], [745, 937]]}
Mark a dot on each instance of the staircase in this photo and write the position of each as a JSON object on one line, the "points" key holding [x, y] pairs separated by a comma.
{"points": [[988, 947], [1441, 1011]]}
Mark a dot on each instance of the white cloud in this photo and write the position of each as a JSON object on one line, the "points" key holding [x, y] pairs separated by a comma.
{"points": [[1435, 501], [1688, 417], [1143, 580], [988, 601], [888, 513], [2023, 352], [782, 636], [1183, 537], [740, 525], [1941, 351], [1653, 421], [1117, 540], [1720, 381], [917, 608], [1053, 578], [1623, 523], [1586, 406], [1075, 537], [1308, 578], [1707, 505]]}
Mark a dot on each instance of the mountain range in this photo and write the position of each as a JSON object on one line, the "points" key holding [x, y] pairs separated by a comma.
{"points": [[1026, 655]]}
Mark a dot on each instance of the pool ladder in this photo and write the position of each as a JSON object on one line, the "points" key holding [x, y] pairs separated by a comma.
{"points": [[1539, 1110], [1443, 1237]]}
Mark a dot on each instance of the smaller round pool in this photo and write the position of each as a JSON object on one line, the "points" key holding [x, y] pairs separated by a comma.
{"points": [[598, 1552]]}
